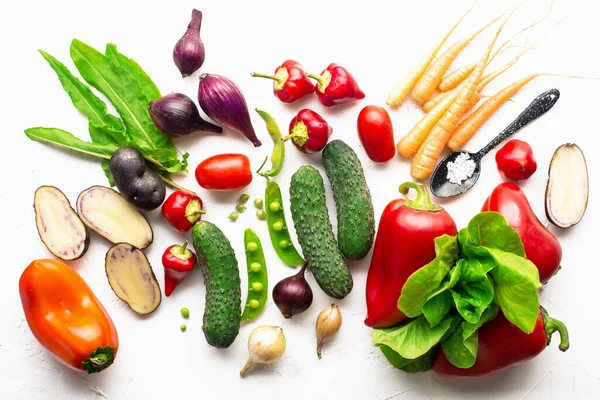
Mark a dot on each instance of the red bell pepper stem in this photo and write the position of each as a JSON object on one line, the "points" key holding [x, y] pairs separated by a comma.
{"points": [[290, 82], [552, 325], [422, 201], [193, 211]]}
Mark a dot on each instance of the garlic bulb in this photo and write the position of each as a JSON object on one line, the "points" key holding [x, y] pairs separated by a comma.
{"points": [[328, 324], [266, 345]]}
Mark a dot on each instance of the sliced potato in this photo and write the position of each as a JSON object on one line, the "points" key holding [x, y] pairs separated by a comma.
{"points": [[107, 213], [58, 225], [567, 190], [131, 278]]}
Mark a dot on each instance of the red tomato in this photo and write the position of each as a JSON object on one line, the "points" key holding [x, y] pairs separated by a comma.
{"points": [[515, 160], [376, 133], [224, 172]]}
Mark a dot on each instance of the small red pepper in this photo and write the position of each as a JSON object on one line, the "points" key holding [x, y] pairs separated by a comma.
{"points": [[178, 261], [515, 160], [541, 246], [182, 210], [335, 85], [501, 345], [290, 82], [404, 243], [309, 131]]}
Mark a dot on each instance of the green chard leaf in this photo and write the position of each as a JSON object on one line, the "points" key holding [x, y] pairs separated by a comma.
{"points": [[419, 364], [474, 292], [414, 338], [426, 280], [516, 282], [62, 138]]}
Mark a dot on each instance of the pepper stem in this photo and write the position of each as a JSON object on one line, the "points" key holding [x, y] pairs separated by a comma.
{"points": [[552, 325], [422, 201], [267, 76], [193, 211], [182, 248], [323, 80], [100, 359], [299, 133]]}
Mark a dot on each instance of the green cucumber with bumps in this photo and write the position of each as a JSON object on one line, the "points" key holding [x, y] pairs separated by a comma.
{"points": [[315, 234], [355, 215], [222, 310]]}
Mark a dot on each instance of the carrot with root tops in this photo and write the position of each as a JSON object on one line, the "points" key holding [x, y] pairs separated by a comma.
{"points": [[403, 88], [410, 143], [424, 161], [432, 77]]}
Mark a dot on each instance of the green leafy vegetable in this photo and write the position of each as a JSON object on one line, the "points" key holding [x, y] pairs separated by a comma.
{"points": [[436, 308], [491, 229], [419, 364], [421, 284], [412, 339], [62, 138], [474, 292]]}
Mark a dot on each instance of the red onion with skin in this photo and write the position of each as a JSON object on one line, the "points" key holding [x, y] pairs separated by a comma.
{"points": [[293, 294], [176, 114], [223, 101], [188, 53]]}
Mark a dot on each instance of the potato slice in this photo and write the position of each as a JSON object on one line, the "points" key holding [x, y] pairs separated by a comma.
{"points": [[58, 225], [567, 190], [107, 213], [131, 278]]}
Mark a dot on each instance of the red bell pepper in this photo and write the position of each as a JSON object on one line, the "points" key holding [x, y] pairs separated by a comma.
{"points": [[290, 82], [182, 210], [404, 243], [178, 261], [309, 131], [541, 246], [502, 344], [335, 85]]}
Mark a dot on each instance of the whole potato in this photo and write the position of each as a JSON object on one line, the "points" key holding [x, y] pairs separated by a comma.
{"points": [[138, 184]]}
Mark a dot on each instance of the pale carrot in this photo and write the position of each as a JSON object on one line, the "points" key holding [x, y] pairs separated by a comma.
{"points": [[424, 161], [432, 77], [403, 88]]}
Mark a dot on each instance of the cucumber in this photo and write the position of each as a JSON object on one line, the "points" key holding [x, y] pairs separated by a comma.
{"points": [[355, 215], [315, 235], [222, 310]]}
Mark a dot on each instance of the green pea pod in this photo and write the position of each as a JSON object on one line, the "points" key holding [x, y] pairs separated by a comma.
{"points": [[278, 231], [257, 276], [278, 146]]}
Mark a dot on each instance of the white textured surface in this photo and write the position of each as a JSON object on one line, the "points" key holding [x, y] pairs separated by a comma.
{"points": [[378, 42]]}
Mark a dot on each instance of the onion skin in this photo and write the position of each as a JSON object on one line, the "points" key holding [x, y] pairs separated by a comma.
{"points": [[176, 115], [223, 101], [293, 294], [188, 53]]}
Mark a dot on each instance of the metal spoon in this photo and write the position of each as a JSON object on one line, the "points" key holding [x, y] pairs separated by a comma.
{"points": [[440, 184]]}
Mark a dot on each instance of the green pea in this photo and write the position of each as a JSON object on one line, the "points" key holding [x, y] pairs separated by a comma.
{"points": [[278, 226], [257, 286], [252, 247], [233, 216], [183, 327], [244, 198], [240, 207], [284, 244], [260, 214], [275, 206], [255, 267], [258, 203], [185, 312], [254, 304]]}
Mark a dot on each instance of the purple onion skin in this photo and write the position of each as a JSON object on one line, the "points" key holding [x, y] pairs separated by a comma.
{"points": [[188, 53], [293, 294], [176, 115], [223, 101]]}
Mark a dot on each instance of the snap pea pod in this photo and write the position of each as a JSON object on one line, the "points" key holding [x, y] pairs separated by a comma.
{"points": [[278, 146], [257, 276], [278, 231]]}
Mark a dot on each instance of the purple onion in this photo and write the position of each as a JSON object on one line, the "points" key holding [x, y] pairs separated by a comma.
{"points": [[223, 101], [188, 53], [176, 114], [293, 294]]}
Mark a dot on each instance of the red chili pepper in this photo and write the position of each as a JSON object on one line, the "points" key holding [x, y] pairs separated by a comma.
{"points": [[404, 243], [541, 246], [182, 210], [515, 160], [376, 133], [501, 345], [178, 261], [335, 85], [290, 82], [309, 131]]}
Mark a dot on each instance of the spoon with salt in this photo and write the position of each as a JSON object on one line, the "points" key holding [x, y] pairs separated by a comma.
{"points": [[460, 170]]}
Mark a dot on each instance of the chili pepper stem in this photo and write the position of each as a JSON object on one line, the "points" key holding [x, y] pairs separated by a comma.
{"points": [[267, 76], [182, 248], [299, 134], [422, 201], [552, 325], [322, 80], [193, 211], [99, 360]]}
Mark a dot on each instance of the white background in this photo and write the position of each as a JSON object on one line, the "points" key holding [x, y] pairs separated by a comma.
{"points": [[378, 42]]}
